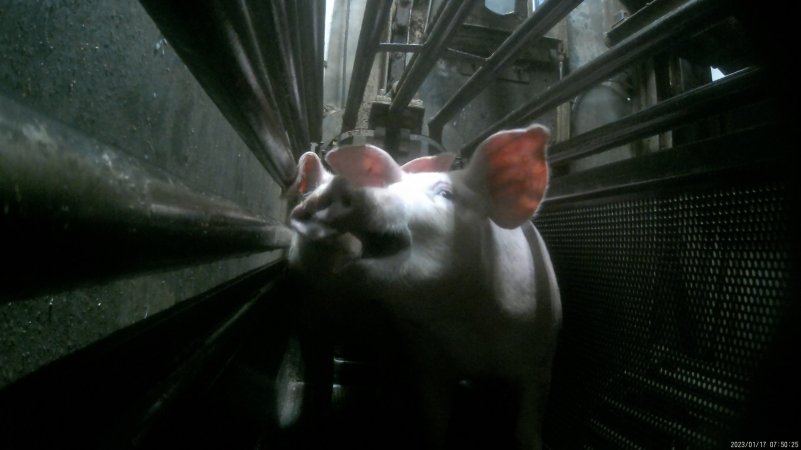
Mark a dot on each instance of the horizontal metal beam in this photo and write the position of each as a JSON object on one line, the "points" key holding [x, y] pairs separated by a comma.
{"points": [[680, 25], [399, 47], [450, 18], [736, 89], [76, 211], [374, 21], [229, 49], [641, 18], [467, 56], [414, 48], [699, 160], [543, 19]]}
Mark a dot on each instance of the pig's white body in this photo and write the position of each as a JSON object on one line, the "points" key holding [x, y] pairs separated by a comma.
{"points": [[473, 298]]}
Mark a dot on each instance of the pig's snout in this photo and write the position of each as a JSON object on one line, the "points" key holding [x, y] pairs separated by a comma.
{"points": [[325, 214]]}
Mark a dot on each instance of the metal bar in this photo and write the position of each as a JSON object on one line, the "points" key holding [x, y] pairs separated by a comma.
{"points": [[465, 56], [543, 19], [222, 59], [310, 39], [316, 105], [641, 18], [415, 48], [198, 371], [670, 30], [128, 371], [286, 26], [698, 159], [254, 20], [443, 30], [409, 22], [344, 70], [399, 24], [75, 210], [376, 16], [428, 16], [399, 47], [736, 89]]}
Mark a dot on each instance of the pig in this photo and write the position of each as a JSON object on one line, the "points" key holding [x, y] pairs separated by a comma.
{"points": [[452, 256]]}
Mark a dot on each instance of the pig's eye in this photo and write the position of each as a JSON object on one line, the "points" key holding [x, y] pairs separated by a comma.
{"points": [[445, 193]]}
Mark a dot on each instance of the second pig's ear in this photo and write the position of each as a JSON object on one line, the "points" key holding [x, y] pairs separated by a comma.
{"points": [[311, 174], [437, 163], [509, 167], [365, 165]]}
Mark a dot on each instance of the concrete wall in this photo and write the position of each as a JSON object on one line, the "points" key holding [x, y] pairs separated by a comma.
{"points": [[103, 68]]}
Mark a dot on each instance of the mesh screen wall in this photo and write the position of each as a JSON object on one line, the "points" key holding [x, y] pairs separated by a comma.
{"points": [[672, 298]]}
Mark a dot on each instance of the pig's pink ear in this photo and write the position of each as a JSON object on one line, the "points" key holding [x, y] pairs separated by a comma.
{"points": [[510, 167], [437, 163], [365, 165], [311, 174]]}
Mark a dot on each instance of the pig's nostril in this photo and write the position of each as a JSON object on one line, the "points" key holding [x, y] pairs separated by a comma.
{"points": [[298, 213], [325, 201], [346, 200]]}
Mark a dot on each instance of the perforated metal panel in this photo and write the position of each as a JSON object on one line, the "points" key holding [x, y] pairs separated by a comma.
{"points": [[671, 300]]}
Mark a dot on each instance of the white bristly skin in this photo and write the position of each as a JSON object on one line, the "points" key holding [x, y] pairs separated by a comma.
{"points": [[479, 298]]}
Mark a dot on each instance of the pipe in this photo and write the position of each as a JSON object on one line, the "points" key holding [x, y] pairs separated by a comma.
{"points": [[543, 19], [286, 23], [218, 46], [252, 21], [76, 211], [670, 30], [376, 16], [453, 13]]}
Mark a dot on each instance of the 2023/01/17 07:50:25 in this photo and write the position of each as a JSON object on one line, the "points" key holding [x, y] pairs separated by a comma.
{"points": [[764, 444]]}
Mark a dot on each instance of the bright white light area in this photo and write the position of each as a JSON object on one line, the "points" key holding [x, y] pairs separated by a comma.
{"points": [[329, 13], [716, 73], [501, 7]]}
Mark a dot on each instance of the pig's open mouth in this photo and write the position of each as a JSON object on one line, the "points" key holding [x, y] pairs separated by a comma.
{"points": [[371, 244], [383, 244]]}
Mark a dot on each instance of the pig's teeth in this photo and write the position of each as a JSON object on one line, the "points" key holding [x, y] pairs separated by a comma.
{"points": [[313, 230]]}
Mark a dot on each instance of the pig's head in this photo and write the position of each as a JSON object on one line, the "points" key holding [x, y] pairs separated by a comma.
{"points": [[398, 227]]}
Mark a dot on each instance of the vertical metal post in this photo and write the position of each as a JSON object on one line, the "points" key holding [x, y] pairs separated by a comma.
{"points": [[344, 74], [451, 17], [314, 96], [376, 16]]}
